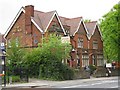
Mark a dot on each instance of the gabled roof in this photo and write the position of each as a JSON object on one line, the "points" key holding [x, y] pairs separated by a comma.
{"points": [[74, 24], [13, 22], [41, 20], [91, 26]]}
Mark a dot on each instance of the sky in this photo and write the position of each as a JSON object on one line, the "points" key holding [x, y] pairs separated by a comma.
{"points": [[88, 9]]}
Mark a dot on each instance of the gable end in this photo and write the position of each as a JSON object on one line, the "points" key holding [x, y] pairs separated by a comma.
{"points": [[13, 22]]}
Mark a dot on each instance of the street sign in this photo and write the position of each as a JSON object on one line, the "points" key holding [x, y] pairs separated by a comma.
{"points": [[108, 65], [2, 44]]}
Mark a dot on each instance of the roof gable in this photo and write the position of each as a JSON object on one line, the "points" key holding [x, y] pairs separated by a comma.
{"points": [[74, 24], [91, 27], [82, 28], [43, 19], [13, 22]]}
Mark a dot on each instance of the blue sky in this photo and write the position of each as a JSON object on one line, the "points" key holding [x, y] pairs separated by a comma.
{"points": [[88, 9]]}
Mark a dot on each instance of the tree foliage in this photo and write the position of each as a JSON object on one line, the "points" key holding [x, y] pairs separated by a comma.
{"points": [[46, 60], [15, 56], [87, 20], [111, 33]]}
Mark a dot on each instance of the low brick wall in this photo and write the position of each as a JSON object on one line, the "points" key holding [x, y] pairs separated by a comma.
{"points": [[100, 72], [81, 74], [115, 72]]}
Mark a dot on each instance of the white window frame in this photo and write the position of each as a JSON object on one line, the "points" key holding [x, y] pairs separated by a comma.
{"points": [[100, 61], [95, 44], [85, 60], [80, 42]]}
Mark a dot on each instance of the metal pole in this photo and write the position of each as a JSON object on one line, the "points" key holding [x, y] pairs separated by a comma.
{"points": [[4, 72]]}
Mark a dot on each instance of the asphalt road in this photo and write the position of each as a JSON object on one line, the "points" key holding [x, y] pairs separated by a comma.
{"points": [[95, 84], [111, 83], [101, 83]]}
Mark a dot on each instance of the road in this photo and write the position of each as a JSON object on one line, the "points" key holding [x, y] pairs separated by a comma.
{"points": [[91, 83], [110, 82]]}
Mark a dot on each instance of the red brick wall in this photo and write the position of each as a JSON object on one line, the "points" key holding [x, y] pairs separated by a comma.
{"points": [[25, 30], [37, 36], [55, 20], [18, 30], [80, 34], [96, 36]]}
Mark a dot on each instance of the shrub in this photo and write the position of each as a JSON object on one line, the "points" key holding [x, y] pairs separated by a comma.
{"points": [[55, 70], [92, 68], [15, 78], [45, 61]]}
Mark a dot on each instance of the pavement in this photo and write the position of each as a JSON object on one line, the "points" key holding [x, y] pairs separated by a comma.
{"points": [[35, 83]]}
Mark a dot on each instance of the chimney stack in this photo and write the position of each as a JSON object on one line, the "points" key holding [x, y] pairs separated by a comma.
{"points": [[29, 12]]}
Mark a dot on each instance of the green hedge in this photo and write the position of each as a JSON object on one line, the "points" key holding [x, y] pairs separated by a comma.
{"points": [[92, 68], [14, 79]]}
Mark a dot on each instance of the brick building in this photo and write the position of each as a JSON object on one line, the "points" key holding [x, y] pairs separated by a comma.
{"points": [[30, 26], [95, 44], [79, 40]]}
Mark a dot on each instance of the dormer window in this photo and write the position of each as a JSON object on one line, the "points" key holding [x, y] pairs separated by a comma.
{"points": [[95, 45], [80, 43]]}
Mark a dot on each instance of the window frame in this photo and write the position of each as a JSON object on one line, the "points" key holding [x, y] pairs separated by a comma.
{"points": [[95, 44], [80, 43], [85, 60]]}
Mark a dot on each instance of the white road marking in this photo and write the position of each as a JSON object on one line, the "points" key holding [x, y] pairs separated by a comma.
{"points": [[114, 87], [74, 86], [96, 83], [103, 82]]}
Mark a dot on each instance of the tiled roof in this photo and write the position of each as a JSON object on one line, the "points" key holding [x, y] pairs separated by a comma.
{"points": [[43, 18], [72, 22], [90, 27]]}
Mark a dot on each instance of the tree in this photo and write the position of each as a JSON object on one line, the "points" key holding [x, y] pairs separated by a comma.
{"points": [[15, 56], [87, 20], [109, 25], [45, 61]]}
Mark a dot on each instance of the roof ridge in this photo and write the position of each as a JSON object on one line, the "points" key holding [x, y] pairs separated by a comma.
{"points": [[40, 21], [39, 11], [64, 17], [76, 17], [51, 11]]}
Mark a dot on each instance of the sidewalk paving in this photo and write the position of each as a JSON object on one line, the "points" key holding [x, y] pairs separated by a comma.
{"points": [[41, 83]]}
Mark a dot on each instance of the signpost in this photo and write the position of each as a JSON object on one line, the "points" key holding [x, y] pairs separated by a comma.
{"points": [[2, 64], [108, 65]]}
